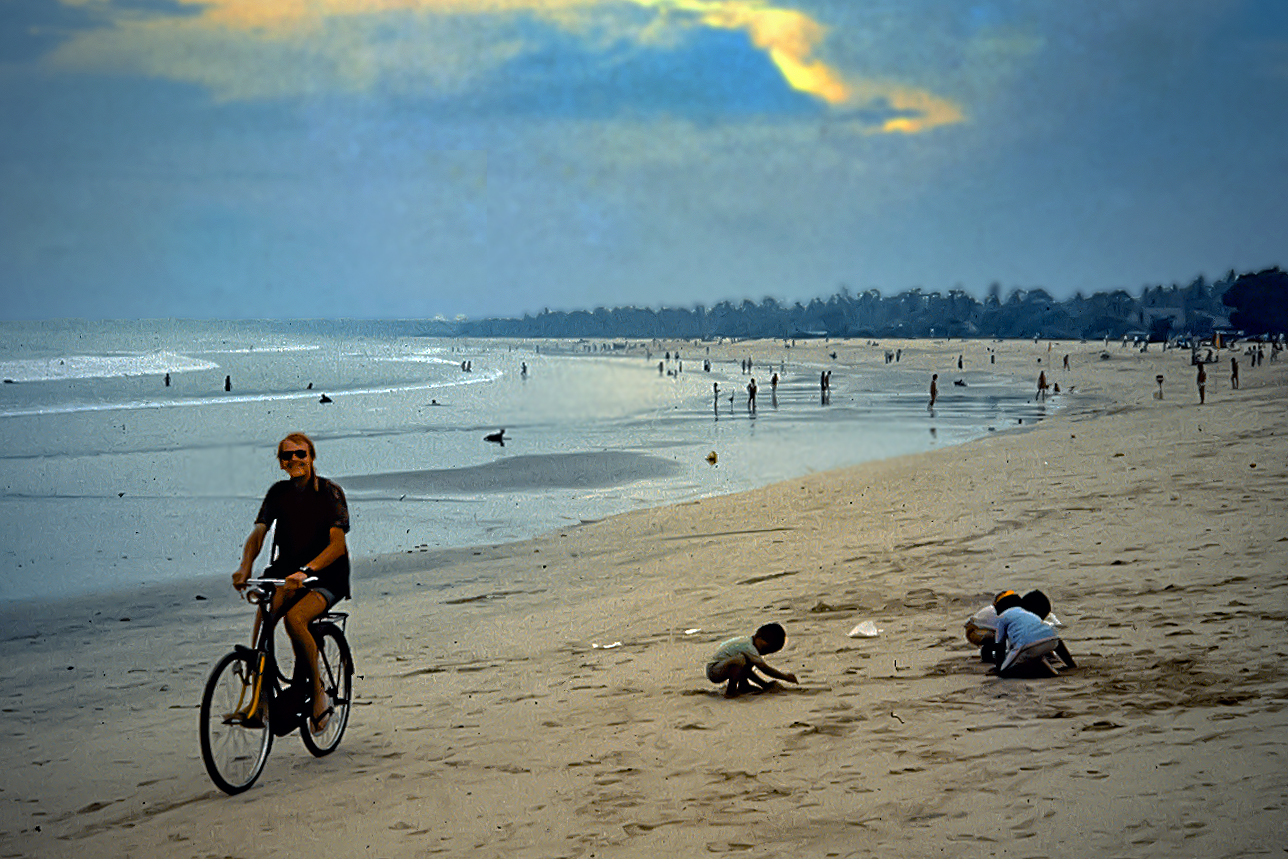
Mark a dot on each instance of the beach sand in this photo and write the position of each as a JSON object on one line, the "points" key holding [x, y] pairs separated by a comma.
{"points": [[499, 716]]}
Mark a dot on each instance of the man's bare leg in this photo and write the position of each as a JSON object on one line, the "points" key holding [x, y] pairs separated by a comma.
{"points": [[310, 606]]}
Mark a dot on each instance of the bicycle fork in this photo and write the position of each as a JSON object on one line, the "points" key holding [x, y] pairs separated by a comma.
{"points": [[257, 660]]}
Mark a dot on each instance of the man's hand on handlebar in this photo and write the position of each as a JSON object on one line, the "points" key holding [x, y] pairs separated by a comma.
{"points": [[241, 577], [296, 579]]}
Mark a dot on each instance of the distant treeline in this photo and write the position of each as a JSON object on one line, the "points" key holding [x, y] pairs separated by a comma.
{"points": [[1255, 303]]}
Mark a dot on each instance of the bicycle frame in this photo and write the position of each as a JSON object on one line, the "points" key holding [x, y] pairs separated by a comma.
{"points": [[263, 638], [248, 700]]}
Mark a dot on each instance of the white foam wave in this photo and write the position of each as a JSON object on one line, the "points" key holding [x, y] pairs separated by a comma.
{"points": [[256, 350], [226, 399], [415, 358], [67, 367]]}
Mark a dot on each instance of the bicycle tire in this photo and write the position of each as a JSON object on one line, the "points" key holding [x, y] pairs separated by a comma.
{"points": [[335, 666], [234, 748]]}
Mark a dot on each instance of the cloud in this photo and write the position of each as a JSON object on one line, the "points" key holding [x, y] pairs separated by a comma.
{"points": [[904, 110], [248, 49], [788, 36]]}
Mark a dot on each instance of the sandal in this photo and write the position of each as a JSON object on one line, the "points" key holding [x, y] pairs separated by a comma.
{"points": [[317, 724]]}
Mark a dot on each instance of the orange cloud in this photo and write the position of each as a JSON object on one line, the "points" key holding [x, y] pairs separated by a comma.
{"points": [[786, 35], [789, 37], [917, 110]]}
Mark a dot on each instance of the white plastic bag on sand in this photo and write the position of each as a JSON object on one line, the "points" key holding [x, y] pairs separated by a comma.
{"points": [[866, 629]]}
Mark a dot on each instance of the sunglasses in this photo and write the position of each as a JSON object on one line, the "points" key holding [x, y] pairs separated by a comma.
{"points": [[288, 455]]}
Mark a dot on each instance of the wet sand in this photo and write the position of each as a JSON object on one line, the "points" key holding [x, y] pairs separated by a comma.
{"points": [[525, 472], [499, 716]]}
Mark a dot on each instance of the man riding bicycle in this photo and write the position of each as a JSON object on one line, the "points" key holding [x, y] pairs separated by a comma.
{"points": [[312, 518]]}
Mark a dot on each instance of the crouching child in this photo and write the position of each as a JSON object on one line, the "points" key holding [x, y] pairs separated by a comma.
{"points": [[1023, 641], [737, 659]]}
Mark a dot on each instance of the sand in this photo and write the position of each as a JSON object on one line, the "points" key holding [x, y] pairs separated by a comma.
{"points": [[500, 717]]}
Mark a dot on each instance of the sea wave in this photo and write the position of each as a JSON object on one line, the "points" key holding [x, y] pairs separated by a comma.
{"points": [[226, 399], [266, 350], [68, 367], [414, 358]]}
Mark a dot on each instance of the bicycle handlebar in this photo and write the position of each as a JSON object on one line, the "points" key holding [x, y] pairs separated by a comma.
{"points": [[308, 583]]}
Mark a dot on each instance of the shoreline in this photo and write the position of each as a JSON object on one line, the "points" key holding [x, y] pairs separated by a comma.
{"points": [[491, 724], [558, 470]]}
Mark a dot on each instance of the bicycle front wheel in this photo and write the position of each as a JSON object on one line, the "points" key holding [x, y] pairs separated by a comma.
{"points": [[335, 667], [235, 734]]}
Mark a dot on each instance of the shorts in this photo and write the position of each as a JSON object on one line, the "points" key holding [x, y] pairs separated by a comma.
{"points": [[1029, 652], [725, 669], [330, 598], [300, 594]]}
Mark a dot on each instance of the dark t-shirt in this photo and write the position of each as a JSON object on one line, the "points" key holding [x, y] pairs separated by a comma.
{"points": [[305, 517]]}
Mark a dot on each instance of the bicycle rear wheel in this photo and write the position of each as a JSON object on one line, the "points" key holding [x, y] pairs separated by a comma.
{"points": [[235, 734], [335, 667]]}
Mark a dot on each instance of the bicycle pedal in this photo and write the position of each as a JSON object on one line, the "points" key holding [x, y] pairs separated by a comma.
{"points": [[243, 721]]}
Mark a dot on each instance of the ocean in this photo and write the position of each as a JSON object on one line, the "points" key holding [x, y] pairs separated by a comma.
{"points": [[112, 479]]}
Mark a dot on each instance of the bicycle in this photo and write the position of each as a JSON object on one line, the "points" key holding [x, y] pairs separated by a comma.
{"points": [[248, 700]]}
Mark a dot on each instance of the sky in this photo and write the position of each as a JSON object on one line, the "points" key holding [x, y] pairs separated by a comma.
{"points": [[479, 158]]}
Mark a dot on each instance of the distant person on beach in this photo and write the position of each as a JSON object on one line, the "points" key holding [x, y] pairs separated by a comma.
{"points": [[934, 390], [737, 659], [1042, 385], [751, 394], [1202, 383], [311, 517], [167, 380], [1066, 362], [1234, 373], [228, 383], [1022, 641]]}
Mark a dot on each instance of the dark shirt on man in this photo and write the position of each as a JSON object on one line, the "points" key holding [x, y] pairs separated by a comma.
{"points": [[305, 516]]}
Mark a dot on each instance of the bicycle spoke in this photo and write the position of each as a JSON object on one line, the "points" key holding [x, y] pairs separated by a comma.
{"points": [[335, 669], [234, 742]]}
